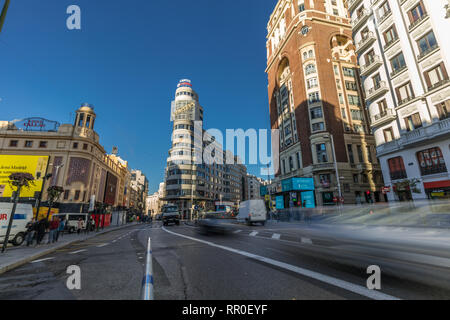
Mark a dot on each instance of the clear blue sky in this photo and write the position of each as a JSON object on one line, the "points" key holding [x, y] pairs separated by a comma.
{"points": [[127, 60]]}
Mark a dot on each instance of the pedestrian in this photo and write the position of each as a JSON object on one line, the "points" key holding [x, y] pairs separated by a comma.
{"points": [[60, 230], [54, 225], [41, 228], [88, 225], [31, 231], [80, 225], [304, 204]]}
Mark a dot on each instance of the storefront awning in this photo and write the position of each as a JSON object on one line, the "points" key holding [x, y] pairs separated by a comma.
{"points": [[437, 184]]}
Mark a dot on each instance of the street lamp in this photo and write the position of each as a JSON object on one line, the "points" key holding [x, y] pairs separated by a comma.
{"points": [[39, 200]]}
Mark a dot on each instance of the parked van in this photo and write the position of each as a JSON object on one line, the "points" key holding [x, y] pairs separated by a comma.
{"points": [[251, 211], [23, 214], [72, 220]]}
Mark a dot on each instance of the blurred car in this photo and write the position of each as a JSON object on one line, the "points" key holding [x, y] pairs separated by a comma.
{"points": [[215, 222], [252, 211]]}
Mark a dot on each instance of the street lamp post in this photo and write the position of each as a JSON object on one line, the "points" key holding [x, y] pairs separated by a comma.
{"points": [[336, 168], [39, 200]]}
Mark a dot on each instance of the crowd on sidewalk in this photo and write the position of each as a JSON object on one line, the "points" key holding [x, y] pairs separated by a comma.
{"points": [[55, 228]]}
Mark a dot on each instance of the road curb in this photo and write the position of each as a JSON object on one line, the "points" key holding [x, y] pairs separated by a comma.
{"points": [[48, 251]]}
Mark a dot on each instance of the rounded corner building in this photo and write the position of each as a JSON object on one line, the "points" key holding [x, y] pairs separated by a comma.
{"points": [[188, 181]]}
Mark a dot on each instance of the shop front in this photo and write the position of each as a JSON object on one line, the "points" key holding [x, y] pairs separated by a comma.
{"points": [[437, 189], [296, 192]]}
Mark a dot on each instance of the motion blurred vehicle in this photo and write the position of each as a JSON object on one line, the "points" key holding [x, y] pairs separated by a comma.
{"points": [[72, 221], [170, 214], [252, 211], [215, 222]]}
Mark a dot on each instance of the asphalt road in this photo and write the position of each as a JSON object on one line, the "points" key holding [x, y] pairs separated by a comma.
{"points": [[271, 262]]}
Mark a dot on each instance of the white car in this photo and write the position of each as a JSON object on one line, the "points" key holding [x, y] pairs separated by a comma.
{"points": [[23, 214], [252, 211]]}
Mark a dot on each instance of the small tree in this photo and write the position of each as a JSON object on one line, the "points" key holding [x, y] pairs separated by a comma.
{"points": [[53, 192], [19, 180]]}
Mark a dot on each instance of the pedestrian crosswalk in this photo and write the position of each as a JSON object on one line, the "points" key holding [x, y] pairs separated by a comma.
{"points": [[274, 236]]}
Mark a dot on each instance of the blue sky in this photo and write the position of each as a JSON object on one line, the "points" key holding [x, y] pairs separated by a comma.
{"points": [[127, 60]]}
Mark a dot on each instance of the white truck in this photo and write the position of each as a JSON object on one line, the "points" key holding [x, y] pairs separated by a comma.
{"points": [[251, 211], [23, 214]]}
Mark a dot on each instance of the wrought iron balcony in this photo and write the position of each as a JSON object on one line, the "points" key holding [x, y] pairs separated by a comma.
{"points": [[380, 88], [418, 21], [371, 65], [359, 20], [352, 4], [366, 41], [383, 117], [438, 84]]}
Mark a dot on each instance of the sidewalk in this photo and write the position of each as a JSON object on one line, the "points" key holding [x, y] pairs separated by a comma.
{"points": [[17, 256]]}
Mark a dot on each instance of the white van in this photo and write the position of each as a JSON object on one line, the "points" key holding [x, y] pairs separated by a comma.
{"points": [[23, 214], [251, 211], [72, 220]]}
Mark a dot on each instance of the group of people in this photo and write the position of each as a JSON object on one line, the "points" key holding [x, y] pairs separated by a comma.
{"points": [[36, 230]]}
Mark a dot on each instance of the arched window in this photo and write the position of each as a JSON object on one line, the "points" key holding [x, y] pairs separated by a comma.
{"points": [[310, 54], [305, 55]]}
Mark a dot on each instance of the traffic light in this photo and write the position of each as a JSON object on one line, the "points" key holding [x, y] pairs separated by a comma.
{"points": [[368, 192]]}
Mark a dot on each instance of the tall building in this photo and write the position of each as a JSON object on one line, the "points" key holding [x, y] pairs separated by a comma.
{"points": [[315, 100], [404, 58], [254, 184], [188, 184], [77, 160]]}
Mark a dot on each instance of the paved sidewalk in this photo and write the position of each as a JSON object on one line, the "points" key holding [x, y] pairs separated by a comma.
{"points": [[17, 256]]}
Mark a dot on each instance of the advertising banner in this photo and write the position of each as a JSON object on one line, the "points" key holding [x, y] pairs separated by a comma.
{"points": [[308, 196], [35, 165], [279, 202]]}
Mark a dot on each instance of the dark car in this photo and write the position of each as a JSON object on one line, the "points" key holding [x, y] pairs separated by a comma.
{"points": [[215, 222], [170, 214]]}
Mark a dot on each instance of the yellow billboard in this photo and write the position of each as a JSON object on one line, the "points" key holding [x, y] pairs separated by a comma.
{"points": [[35, 165]]}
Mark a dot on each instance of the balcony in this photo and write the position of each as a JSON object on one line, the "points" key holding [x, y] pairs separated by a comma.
{"points": [[389, 44], [365, 42], [384, 17], [383, 117], [379, 89], [358, 21], [438, 84], [426, 52], [418, 21], [371, 66], [396, 72], [323, 166], [406, 100], [352, 4]]}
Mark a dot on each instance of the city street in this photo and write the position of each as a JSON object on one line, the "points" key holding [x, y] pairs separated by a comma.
{"points": [[278, 261]]}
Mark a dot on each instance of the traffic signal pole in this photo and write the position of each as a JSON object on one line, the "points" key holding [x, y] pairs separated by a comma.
{"points": [[3, 15]]}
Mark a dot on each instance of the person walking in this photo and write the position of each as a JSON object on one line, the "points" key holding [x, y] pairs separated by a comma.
{"points": [[54, 224], [88, 225], [80, 225], [31, 231], [41, 228], [60, 230]]}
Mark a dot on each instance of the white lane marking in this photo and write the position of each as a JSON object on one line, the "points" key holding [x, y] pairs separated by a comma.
{"points": [[237, 231], [254, 233], [102, 245], [82, 250], [306, 240], [372, 294], [276, 236], [40, 260], [114, 241]]}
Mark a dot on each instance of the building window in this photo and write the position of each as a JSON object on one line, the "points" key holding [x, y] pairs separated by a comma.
{"points": [[349, 72], [66, 194], [443, 110], [13, 143], [77, 195], [350, 153], [355, 178], [85, 146], [398, 62], [382, 107], [369, 154], [397, 168], [75, 145], [319, 126], [321, 151], [413, 122], [284, 166], [384, 10], [356, 115], [336, 70], [301, 6], [431, 161], [299, 165], [427, 43], [354, 100], [316, 113], [360, 153], [28, 144], [335, 12], [344, 114], [404, 93], [325, 179], [310, 68], [388, 134], [436, 76], [313, 97], [390, 36], [312, 83], [88, 121], [43, 144], [80, 120], [291, 163], [416, 13], [351, 85]]}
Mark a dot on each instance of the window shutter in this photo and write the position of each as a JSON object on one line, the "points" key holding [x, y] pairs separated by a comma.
{"points": [[417, 122], [427, 79], [410, 16], [407, 124]]}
